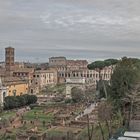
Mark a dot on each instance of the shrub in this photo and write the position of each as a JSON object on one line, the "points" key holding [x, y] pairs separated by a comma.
{"points": [[11, 102]]}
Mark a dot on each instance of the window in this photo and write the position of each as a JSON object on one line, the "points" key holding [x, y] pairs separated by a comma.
{"points": [[32, 90]]}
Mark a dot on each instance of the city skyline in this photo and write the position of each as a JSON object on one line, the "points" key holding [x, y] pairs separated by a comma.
{"points": [[92, 29]]}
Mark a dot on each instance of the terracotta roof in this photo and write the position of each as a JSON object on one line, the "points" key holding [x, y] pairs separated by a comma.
{"points": [[13, 80], [45, 71], [24, 70]]}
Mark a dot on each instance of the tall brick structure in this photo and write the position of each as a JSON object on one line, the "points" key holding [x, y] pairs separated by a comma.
{"points": [[9, 60]]}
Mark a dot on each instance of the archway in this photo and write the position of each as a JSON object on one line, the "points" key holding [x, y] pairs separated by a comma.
{"points": [[70, 87]]}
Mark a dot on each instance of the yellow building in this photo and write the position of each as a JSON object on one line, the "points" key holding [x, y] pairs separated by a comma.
{"points": [[15, 86]]}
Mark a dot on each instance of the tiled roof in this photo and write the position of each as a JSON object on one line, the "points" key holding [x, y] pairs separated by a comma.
{"points": [[13, 80], [24, 70], [45, 71]]}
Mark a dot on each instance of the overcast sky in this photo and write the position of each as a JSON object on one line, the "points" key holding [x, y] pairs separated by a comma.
{"points": [[79, 29]]}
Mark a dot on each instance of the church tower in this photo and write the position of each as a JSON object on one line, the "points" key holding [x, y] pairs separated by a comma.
{"points": [[9, 60]]}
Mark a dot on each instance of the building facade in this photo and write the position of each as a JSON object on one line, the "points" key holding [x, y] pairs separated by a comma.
{"points": [[15, 86], [19, 65], [24, 73], [76, 64], [10, 86], [78, 69], [57, 61], [3, 92], [43, 78]]}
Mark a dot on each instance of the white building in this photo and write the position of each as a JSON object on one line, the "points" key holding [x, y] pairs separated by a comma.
{"points": [[3, 92]]}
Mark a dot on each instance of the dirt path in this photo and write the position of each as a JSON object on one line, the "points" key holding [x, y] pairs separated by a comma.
{"points": [[88, 110]]}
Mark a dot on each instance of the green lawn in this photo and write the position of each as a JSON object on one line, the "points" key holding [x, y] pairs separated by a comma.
{"points": [[36, 113], [7, 114]]}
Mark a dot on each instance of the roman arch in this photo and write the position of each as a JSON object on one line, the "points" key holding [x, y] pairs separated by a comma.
{"points": [[81, 83]]}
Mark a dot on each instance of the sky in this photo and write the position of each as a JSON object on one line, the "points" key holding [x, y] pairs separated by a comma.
{"points": [[77, 29]]}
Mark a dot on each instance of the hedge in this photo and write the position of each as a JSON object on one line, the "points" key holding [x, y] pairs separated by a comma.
{"points": [[11, 102]]}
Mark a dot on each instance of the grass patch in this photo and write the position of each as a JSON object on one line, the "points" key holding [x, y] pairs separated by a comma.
{"points": [[7, 115], [37, 114]]}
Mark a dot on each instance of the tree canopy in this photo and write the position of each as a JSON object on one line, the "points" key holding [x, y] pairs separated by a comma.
{"points": [[77, 94], [101, 64], [124, 78], [98, 66], [11, 102]]}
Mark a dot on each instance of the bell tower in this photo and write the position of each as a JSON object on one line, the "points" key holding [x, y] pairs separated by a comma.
{"points": [[9, 60]]}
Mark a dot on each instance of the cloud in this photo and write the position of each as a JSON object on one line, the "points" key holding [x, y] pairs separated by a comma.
{"points": [[90, 28], [90, 55], [88, 18]]}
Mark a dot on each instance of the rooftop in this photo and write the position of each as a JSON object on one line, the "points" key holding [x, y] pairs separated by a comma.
{"points": [[57, 57], [24, 70], [6, 81]]}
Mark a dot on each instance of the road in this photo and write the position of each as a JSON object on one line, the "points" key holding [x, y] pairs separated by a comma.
{"points": [[87, 111]]}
